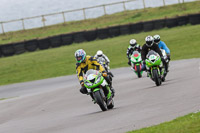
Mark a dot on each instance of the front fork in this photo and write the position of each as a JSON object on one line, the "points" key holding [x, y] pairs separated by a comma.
{"points": [[134, 67], [160, 71]]}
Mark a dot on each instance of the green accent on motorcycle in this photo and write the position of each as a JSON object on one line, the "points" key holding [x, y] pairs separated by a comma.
{"points": [[157, 62], [109, 92], [97, 89], [93, 85]]}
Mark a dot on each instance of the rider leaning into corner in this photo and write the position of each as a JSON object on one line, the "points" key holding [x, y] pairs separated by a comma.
{"points": [[131, 48], [150, 45], [84, 63], [101, 54], [162, 45]]}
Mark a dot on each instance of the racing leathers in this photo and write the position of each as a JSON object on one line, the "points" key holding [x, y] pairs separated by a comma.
{"points": [[130, 51], [107, 61], [162, 45]]}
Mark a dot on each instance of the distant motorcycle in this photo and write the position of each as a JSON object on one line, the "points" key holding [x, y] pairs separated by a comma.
{"points": [[102, 61], [136, 63], [155, 67], [98, 89]]}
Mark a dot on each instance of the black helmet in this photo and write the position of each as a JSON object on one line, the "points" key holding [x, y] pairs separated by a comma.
{"points": [[149, 41]]}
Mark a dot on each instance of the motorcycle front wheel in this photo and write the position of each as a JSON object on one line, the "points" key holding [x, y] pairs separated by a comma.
{"points": [[156, 77], [100, 101], [138, 71]]}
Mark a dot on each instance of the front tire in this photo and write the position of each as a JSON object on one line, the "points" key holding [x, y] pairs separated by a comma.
{"points": [[138, 71], [156, 77], [100, 101]]}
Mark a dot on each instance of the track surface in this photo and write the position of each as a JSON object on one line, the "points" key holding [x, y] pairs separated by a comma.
{"points": [[56, 106]]}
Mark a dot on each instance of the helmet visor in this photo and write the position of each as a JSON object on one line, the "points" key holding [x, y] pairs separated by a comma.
{"points": [[149, 43], [78, 58], [157, 41], [133, 44], [99, 55]]}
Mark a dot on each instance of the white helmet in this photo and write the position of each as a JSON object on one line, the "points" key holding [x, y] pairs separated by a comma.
{"points": [[156, 39], [99, 53], [133, 42], [149, 41]]}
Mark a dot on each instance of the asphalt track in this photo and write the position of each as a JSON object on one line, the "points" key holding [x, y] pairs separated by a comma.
{"points": [[56, 106]]}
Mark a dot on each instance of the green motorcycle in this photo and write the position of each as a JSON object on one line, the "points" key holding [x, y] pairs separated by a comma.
{"points": [[98, 89], [154, 67], [136, 63]]}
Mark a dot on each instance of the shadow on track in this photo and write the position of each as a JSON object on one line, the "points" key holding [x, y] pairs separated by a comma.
{"points": [[98, 112]]}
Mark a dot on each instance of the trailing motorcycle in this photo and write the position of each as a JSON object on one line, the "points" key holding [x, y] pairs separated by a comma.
{"points": [[98, 89], [136, 63], [154, 67], [102, 61], [167, 62]]}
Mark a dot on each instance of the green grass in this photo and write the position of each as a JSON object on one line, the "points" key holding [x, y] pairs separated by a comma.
{"points": [[2, 98], [183, 42], [186, 124], [108, 20]]}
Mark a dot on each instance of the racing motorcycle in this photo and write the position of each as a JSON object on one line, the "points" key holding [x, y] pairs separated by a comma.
{"points": [[154, 67], [136, 63], [98, 89], [102, 61]]}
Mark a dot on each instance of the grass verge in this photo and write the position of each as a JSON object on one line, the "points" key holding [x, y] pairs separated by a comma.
{"points": [[185, 124], [107, 20], [183, 42]]}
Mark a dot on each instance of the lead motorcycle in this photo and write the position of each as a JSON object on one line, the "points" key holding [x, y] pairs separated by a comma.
{"points": [[155, 67], [98, 89], [136, 63]]}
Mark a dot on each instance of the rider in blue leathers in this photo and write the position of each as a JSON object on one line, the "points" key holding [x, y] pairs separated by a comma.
{"points": [[162, 45]]}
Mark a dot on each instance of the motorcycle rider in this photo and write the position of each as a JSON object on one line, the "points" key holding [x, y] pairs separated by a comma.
{"points": [[131, 48], [100, 54], [150, 45], [162, 45], [84, 63]]}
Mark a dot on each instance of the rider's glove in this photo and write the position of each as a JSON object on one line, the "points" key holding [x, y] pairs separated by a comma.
{"points": [[82, 84], [104, 74]]}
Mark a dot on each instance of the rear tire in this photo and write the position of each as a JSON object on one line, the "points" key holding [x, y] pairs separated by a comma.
{"points": [[100, 101], [156, 77]]}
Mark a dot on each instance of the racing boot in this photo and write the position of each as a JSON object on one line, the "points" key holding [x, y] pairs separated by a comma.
{"points": [[106, 77]]}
